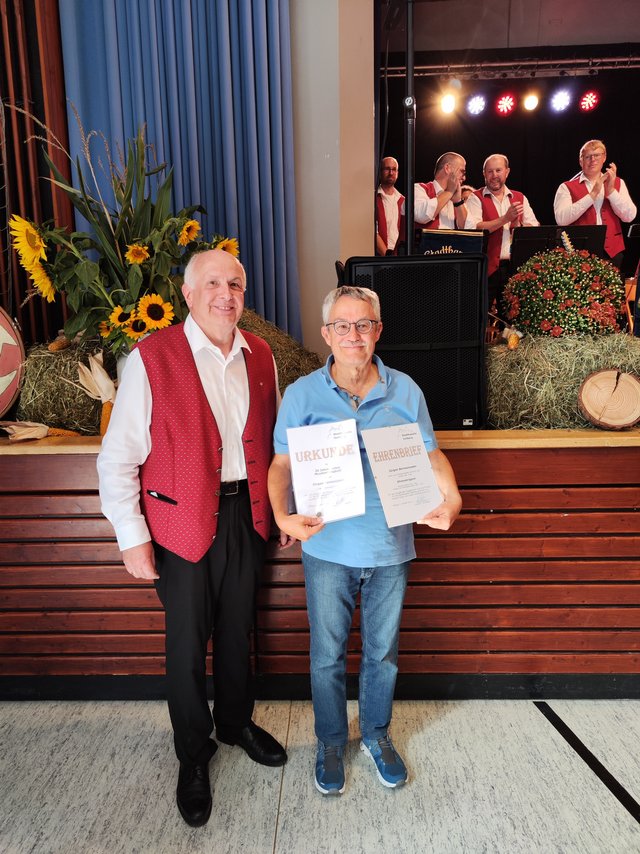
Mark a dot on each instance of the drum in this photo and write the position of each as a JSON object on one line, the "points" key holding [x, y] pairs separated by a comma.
{"points": [[12, 357]]}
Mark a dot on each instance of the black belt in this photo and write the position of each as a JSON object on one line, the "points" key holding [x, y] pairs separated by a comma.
{"points": [[232, 487]]}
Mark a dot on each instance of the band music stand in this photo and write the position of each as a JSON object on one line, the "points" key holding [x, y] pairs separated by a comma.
{"points": [[452, 241], [589, 237], [529, 240]]}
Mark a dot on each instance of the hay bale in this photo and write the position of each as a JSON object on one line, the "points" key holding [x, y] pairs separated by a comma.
{"points": [[292, 359], [51, 393], [536, 386]]}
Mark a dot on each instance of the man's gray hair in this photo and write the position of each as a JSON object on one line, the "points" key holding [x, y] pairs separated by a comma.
{"points": [[352, 291], [444, 159], [497, 154], [187, 276]]}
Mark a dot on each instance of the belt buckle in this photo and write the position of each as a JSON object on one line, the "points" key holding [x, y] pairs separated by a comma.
{"points": [[235, 491]]}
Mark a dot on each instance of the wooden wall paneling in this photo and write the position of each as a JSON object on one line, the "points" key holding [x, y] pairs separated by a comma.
{"points": [[553, 467], [534, 578]]}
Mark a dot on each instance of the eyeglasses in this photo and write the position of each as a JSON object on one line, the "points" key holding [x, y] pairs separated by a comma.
{"points": [[363, 326], [595, 156]]}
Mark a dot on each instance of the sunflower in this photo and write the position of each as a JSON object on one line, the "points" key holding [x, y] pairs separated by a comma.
{"points": [[27, 242], [136, 253], [104, 329], [120, 317], [42, 282], [230, 245], [137, 328], [189, 232], [155, 312]]}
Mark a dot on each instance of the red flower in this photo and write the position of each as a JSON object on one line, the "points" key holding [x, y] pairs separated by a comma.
{"points": [[548, 294], [556, 331], [546, 325]]}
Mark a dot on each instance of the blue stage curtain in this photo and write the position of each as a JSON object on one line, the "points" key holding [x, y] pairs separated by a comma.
{"points": [[211, 79]]}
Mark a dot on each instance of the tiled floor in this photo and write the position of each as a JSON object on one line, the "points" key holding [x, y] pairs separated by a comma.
{"points": [[486, 776]]}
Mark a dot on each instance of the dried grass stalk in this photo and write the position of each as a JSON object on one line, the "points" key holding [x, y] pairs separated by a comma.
{"points": [[292, 359], [536, 386], [51, 393]]}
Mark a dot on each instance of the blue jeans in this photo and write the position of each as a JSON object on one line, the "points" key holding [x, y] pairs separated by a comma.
{"points": [[332, 590]]}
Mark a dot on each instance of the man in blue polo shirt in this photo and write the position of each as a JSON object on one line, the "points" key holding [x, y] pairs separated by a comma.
{"points": [[360, 555]]}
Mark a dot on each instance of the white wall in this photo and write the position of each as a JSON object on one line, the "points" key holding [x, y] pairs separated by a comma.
{"points": [[333, 78]]}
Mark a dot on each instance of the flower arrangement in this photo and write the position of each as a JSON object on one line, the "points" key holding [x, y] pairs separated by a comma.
{"points": [[562, 292], [119, 280]]}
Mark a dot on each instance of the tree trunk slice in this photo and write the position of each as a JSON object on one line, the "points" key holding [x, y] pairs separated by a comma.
{"points": [[610, 399]]}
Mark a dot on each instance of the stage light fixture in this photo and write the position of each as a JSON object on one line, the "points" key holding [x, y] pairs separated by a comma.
{"points": [[530, 102], [476, 104], [589, 101], [560, 100], [506, 104], [448, 103]]}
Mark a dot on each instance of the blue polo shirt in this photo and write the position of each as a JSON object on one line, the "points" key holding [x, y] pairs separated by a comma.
{"points": [[362, 541]]}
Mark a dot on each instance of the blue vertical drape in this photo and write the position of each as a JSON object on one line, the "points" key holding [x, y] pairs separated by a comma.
{"points": [[211, 79]]}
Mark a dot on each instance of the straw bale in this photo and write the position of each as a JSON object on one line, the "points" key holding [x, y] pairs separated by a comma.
{"points": [[51, 393], [536, 386], [292, 359]]}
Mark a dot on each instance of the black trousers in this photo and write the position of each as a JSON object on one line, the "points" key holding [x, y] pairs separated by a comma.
{"points": [[212, 598]]}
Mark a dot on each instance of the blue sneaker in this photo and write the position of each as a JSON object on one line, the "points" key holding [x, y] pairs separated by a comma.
{"points": [[329, 777], [392, 771]]}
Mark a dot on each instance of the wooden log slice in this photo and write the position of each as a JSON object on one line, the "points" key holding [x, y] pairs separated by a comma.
{"points": [[610, 399]]}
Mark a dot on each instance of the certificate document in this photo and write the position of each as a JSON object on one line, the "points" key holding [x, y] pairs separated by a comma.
{"points": [[326, 470], [402, 472]]}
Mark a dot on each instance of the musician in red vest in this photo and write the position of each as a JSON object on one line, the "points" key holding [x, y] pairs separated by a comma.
{"points": [[439, 203], [497, 209], [389, 210], [183, 479], [594, 197]]}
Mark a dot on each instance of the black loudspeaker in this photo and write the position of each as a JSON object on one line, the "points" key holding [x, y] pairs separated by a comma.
{"points": [[434, 312]]}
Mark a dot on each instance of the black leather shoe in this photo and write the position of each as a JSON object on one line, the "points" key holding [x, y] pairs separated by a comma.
{"points": [[257, 744], [193, 794]]}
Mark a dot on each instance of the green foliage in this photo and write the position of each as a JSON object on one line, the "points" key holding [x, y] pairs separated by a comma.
{"points": [[564, 293], [132, 249]]}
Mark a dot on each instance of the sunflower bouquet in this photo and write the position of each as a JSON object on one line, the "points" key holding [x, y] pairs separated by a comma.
{"points": [[119, 279]]}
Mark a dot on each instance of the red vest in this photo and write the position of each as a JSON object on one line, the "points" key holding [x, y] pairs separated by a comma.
{"points": [[185, 461], [381, 221], [613, 239], [489, 212], [430, 190]]}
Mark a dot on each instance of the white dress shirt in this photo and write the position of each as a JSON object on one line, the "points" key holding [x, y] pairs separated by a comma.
{"points": [[127, 442], [567, 211], [391, 214], [474, 216], [424, 208]]}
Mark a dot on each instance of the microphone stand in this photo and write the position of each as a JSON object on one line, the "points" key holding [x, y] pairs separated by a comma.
{"points": [[409, 104]]}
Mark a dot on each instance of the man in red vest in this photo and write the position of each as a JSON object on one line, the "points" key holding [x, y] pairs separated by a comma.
{"points": [[389, 207], [498, 210], [594, 197], [183, 479], [439, 203]]}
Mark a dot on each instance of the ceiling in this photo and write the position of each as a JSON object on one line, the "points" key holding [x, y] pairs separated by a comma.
{"points": [[453, 25]]}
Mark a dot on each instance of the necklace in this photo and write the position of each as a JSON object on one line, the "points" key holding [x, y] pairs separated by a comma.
{"points": [[356, 399]]}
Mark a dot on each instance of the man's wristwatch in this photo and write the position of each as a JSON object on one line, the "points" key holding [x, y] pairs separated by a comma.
{"points": [[457, 204]]}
